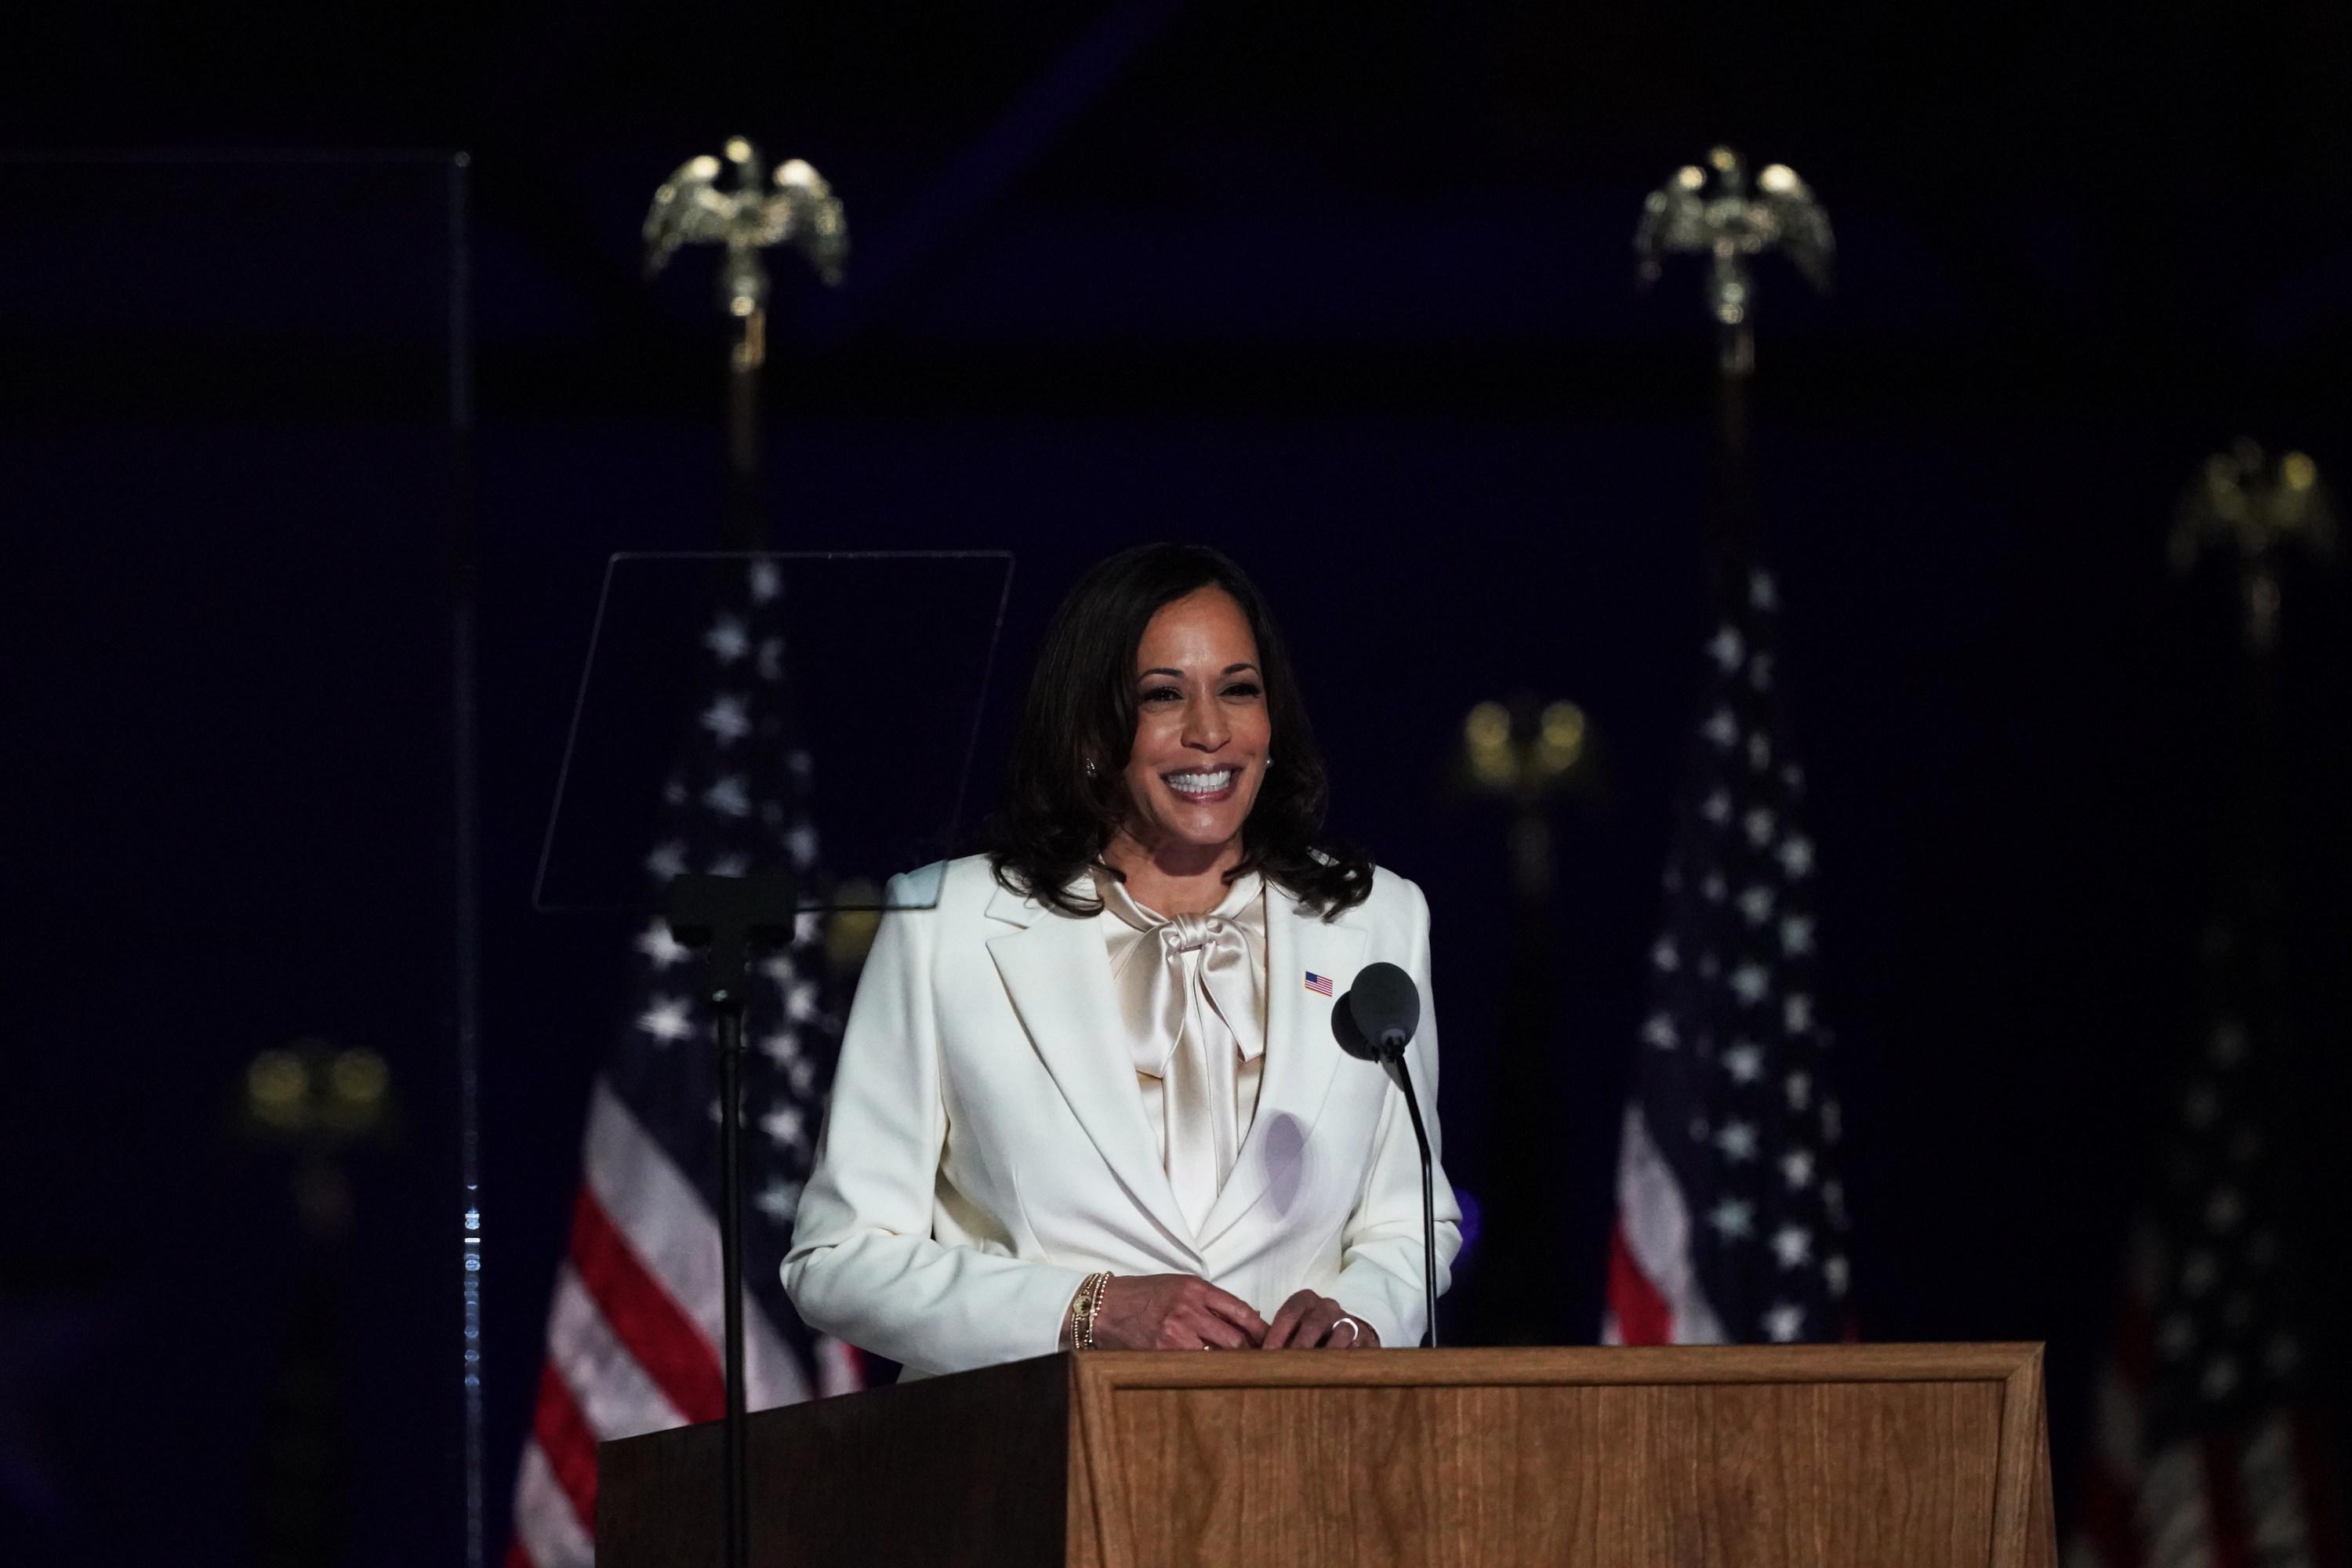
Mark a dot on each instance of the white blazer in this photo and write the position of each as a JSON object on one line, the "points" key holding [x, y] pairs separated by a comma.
{"points": [[986, 1147]]}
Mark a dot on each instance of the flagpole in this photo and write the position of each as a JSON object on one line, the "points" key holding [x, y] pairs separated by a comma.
{"points": [[745, 527], [726, 914]]}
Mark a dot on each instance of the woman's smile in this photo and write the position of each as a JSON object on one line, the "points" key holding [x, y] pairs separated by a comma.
{"points": [[1203, 787]]}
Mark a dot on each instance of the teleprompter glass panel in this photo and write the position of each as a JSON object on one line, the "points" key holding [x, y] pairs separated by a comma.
{"points": [[828, 703]]}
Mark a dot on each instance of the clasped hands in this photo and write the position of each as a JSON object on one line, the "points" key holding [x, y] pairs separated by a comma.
{"points": [[1179, 1312]]}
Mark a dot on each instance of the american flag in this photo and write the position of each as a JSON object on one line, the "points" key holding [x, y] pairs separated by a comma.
{"points": [[1318, 983], [2207, 1445], [1731, 1221], [634, 1332]]}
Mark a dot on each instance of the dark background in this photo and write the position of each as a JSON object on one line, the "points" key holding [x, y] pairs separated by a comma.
{"points": [[1343, 288]]}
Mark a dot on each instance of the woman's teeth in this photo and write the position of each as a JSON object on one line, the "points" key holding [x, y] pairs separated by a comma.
{"points": [[1208, 782]]}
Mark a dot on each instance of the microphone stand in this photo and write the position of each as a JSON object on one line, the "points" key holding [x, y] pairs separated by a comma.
{"points": [[1394, 1060], [727, 915]]}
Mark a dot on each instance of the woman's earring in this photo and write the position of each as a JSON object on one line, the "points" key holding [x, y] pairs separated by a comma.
{"points": [[1090, 767]]}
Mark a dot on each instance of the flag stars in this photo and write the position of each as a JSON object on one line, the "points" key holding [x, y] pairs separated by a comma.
{"points": [[2220, 1379], [729, 794], [1734, 1219], [1716, 808], [1793, 1246], [1726, 649], [1797, 857], [1836, 1272], [770, 662], [801, 1001], [781, 1048], [1756, 903], [1796, 934], [767, 581], [2177, 1336], [1749, 982], [1660, 1032], [1762, 591], [1737, 1142], [660, 947], [802, 842], [1797, 1168], [1833, 1122], [1758, 825], [2283, 1355], [1721, 728], [1663, 957], [783, 1125], [1784, 1323], [1713, 889], [1800, 1090], [669, 1020], [1744, 1062], [668, 860], [1759, 673], [726, 640], [1797, 1014], [732, 863], [1759, 751], [728, 718]]}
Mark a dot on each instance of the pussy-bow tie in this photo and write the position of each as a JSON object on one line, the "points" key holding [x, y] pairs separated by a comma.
{"points": [[1192, 990]]}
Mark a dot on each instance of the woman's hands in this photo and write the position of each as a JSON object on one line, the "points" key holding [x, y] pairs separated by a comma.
{"points": [[1178, 1312], [1308, 1322], [1173, 1313]]}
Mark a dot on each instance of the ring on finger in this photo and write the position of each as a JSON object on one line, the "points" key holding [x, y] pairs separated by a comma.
{"points": [[1355, 1330]]}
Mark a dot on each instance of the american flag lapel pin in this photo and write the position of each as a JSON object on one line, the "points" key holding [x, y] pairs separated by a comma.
{"points": [[1318, 983]]}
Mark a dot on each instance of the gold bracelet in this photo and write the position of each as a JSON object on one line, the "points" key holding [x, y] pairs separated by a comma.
{"points": [[1083, 1308]]}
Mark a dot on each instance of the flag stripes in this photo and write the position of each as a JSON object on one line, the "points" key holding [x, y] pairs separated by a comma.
{"points": [[658, 1337]]}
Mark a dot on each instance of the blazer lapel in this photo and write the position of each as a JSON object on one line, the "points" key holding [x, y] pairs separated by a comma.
{"points": [[1300, 1053], [1055, 969]]}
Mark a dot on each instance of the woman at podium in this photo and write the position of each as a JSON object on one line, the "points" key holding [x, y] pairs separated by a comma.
{"points": [[1089, 1097]]}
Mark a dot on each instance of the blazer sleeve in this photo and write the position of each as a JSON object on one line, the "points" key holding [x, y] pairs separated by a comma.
{"points": [[863, 1265], [1380, 1277]]}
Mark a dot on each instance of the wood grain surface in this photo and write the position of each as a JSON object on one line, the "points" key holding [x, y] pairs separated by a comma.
{"points": [[1749, 1456]]}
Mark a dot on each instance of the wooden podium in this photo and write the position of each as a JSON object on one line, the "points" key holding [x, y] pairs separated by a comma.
{"points": [[1743, 1457]]}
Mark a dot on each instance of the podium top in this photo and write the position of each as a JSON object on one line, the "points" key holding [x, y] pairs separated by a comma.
{"points": [[1929, 1456]]}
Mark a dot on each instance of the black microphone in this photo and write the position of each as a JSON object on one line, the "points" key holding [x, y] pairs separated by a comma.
{"points": [[1374, 1022]]}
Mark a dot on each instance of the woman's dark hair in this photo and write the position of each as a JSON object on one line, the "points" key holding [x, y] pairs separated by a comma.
{"points": [[1055, 818]]}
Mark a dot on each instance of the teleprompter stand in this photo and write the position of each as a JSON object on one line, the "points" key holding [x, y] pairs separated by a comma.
{"points": [[725, 916]]}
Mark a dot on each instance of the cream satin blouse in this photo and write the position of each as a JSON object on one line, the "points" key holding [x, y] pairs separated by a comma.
{"points": [[1192, 990]]}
